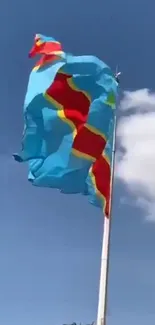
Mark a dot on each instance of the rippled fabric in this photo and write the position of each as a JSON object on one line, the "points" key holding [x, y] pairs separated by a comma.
{"points": [[69, 111]]}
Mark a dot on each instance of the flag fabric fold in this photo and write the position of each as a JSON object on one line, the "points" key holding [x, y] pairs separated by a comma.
{"points": [[69, 109]]}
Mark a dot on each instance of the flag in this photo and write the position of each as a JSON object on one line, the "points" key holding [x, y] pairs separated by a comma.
{"points": [[68, 112], [45, 45]]}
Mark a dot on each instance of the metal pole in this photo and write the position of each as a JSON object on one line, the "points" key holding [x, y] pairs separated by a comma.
{"points": [[102, 303]]}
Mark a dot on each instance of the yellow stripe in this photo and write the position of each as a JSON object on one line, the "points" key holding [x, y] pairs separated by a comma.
{"points": [[39, 42], [64, 73], [95, 130], [55, 52], [97, 192], [74, 87], [83, 155], [104, 155], [37, 67], [61, 113], [111, 101]]}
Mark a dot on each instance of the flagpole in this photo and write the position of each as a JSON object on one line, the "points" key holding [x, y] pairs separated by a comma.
{"points": [[102, 302]]}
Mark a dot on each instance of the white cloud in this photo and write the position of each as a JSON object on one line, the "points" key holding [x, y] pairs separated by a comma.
{"points": [[141, 99], [135, 164]]}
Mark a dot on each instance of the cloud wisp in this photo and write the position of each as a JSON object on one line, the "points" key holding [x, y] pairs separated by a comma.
{"points": [[135, 163]]}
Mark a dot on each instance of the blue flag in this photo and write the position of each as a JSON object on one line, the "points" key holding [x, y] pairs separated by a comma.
{"points": [[68, 112]]}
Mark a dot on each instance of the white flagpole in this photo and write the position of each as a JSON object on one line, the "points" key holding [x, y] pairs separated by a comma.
{"points": [[102, 302]]}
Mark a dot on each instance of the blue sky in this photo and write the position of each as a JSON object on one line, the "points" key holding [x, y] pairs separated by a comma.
{"points": [[50, 244]]}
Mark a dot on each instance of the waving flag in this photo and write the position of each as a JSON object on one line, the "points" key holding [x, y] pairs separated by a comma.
{"points": [[45, 45], [68, 112]]}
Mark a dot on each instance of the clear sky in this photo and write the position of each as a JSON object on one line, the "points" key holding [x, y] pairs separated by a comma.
{"points": [[50, 244]]}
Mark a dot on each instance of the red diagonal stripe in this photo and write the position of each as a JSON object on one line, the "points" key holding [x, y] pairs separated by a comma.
{"points": [[75, 103], [102, 172], [89, 143], [48, 47], [45, 48]]}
